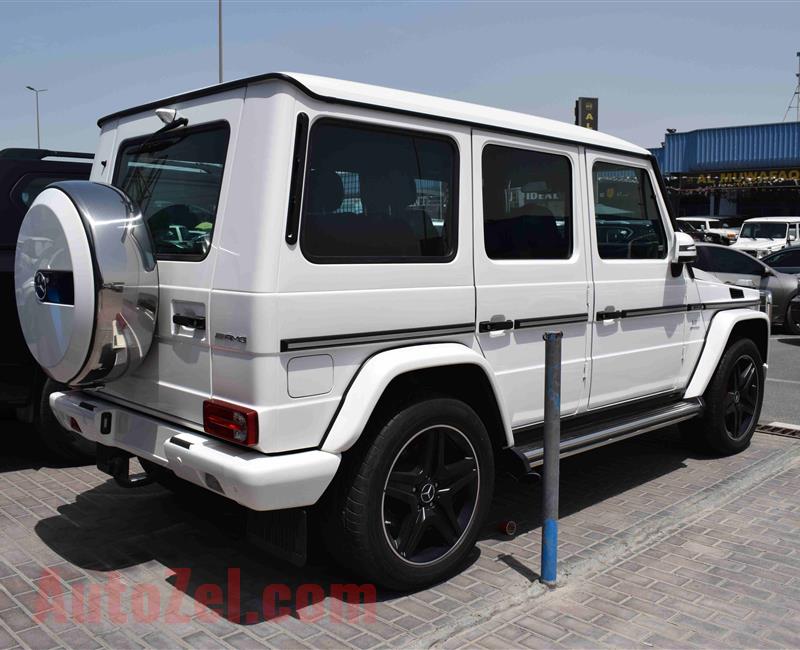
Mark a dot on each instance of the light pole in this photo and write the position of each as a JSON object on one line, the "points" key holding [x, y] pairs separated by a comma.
{"points": [[219, 36], [38, 135]]}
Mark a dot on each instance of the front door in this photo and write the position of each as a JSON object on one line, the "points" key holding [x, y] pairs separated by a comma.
{"points": [[639, 324], [531, 272]]}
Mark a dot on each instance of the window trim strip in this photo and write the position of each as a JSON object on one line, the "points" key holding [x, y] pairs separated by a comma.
{"points": [[298, 177]]}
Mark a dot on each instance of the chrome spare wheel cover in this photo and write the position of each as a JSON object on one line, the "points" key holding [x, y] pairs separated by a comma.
{"points": [[86, 283]]}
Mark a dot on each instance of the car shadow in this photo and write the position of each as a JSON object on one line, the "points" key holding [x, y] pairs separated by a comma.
{"points": [[20, 448], [795, 340], [199, 542]]}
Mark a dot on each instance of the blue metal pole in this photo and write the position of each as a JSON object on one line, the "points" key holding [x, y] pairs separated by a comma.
{"points": [[550, 470]]}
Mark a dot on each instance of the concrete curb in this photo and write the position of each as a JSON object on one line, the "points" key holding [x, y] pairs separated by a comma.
{"points": [[627, 542]]}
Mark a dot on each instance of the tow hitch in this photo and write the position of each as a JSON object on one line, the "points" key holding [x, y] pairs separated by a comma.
{"points": [[115, 462]]}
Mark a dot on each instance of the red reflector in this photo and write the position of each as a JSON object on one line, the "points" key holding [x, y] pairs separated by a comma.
{"points": [[230, 422], [73, 423]]}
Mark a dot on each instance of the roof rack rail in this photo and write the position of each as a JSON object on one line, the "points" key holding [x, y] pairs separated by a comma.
{"points": [[39, 154]]}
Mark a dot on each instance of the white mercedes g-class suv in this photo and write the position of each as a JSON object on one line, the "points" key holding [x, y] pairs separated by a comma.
{"points": [[296, 291]]}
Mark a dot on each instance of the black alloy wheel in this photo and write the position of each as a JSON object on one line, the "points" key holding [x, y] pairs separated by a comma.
{"points": [[408, 503], [741, 399], [733, 401], [430, 495]]}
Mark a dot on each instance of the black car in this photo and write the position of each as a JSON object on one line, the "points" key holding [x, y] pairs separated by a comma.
{"points": [[23, 386], [785, 261]]}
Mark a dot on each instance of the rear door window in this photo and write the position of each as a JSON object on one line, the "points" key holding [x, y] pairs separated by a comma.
{"points": [[378, 195], [175, 179], [527, 204]]}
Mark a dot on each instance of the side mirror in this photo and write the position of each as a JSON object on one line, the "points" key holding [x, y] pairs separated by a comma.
{"points": [[683, 251], [792, 237]]}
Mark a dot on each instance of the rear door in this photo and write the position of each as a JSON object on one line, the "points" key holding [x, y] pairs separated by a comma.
{"points": [[638, 326], [531, 272], [179, 180]]}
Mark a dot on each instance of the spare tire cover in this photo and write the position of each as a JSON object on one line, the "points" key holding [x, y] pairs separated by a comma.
{"points": [[86, 283]]}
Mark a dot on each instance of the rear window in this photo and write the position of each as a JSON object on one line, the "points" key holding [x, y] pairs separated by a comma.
{"points": [[378, 195], [175, 179]]}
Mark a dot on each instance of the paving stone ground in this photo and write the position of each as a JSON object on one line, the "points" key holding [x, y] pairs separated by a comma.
{"points": [[660, 547]]}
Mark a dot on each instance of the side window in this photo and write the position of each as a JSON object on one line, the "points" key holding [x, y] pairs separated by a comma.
{"points": [[378, 195], [527, 204], [722, 260], [627, 218], [785, 259], [175, 179]]}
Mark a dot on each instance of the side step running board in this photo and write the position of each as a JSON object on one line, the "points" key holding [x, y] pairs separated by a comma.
{"points": [[588, 437]]}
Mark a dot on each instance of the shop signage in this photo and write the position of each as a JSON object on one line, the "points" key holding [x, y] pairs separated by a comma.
{"points": [[751, 178]]}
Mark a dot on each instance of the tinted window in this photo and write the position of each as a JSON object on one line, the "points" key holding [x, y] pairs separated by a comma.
{"points": [[763, 230], [175, 179], [375, 195], [527, 204], [784, 258], [627, 219], [31, 185], [725, 260]]}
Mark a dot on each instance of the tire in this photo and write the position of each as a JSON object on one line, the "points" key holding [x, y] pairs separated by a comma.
{"points": [[63, 443], [733, 399], [791, 321], [394, 516]]}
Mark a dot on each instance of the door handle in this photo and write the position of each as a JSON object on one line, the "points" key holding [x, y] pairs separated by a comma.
{"points": [[195, 322], [609, 313], [495, 325]]}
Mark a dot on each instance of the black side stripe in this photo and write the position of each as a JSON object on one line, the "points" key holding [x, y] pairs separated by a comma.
{"points": [[676, 309], [361, 338], [524, 323]]}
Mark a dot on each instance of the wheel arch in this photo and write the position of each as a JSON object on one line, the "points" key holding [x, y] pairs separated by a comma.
{"points": [[391, 378], [725, 328]]}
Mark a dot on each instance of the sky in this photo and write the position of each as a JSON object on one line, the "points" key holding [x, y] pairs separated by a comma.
{"points": [[682, 65]]}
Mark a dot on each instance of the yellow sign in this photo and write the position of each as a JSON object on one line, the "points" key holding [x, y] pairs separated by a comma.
{"points": [[755, 177]]}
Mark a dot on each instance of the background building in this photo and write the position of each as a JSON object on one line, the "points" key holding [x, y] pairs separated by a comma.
{"points": [[745, 171]]}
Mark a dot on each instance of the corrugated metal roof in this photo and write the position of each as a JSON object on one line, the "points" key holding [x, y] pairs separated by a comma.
{"points": [[759, 146]]}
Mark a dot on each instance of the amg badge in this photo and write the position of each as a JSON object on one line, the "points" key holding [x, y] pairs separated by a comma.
{"points": [[230, 337]]}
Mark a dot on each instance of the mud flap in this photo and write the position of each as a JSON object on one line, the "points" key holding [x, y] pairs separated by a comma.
{"points": [[281, 533]]}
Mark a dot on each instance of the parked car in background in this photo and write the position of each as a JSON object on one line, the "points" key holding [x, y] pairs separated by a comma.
{"points": [[696, 233], [720, 232], [735, 267], [24, 173], [764, 235], [785, 261]]}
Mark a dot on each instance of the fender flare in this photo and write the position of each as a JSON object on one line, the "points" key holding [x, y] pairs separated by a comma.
{"points": [[377, 373], [717, 336]]}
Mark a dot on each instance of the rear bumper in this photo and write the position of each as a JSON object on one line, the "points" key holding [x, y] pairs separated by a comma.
{"points": [[251, 478]]}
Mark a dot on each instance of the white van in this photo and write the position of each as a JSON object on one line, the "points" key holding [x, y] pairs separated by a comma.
{"points": [[764, 235], [312, 295]]}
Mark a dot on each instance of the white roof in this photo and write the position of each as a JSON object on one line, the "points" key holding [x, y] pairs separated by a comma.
{"points": [[461, 111], [779, 219]]}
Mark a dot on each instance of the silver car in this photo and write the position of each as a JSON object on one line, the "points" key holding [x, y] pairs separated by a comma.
{"points": [[737, 268]]}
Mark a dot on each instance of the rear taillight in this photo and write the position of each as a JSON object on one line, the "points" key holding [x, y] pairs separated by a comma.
{"points": [[230, 422]]}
